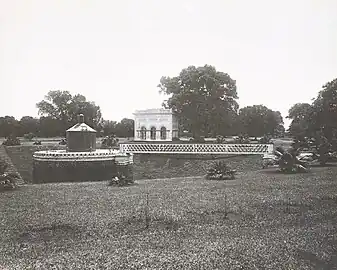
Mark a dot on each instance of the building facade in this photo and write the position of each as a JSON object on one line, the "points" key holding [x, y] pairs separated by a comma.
{"points": [[155, 125]]}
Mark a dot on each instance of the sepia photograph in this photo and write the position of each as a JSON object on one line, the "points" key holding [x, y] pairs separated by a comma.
{"points": [[155, 134]]}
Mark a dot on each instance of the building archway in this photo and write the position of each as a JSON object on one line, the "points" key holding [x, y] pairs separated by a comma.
{"points": [[163, 133], [143, 133], [153, 133]]}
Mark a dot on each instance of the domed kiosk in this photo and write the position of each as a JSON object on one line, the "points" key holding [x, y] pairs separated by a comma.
{"points": [[81, 161]]}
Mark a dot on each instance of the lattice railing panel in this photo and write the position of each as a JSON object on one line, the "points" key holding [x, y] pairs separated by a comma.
{"points": [[244, 149]]}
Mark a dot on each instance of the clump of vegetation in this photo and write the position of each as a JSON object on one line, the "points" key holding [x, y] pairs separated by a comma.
{"points": [[198, 139], [7, 180], [242, 139], [11, 141], [29, 136], [119, 181], [289, 161], [320, 148], [110, 141], [220, 139], [63, 142], [220, 171], [265, 140]]}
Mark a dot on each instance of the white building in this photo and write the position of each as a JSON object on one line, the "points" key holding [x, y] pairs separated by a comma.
{"points": [[155, 125]]}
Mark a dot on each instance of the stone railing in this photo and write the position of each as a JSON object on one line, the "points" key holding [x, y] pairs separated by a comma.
{"points": [[98, 155], [169, 148]]}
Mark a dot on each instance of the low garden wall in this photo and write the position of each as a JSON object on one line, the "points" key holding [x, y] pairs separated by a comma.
{"points": [[152, 166], [146, 166]]}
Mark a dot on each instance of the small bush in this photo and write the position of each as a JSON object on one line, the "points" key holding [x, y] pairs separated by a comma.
{"points": [[220, 171], [7, 180], [110, 141], [29, 136], [198, 139], [242, 139], [220, 139], [11, 141], [265, 140], [63, 142], [289, 162]]}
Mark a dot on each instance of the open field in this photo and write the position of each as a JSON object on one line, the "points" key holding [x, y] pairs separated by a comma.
{"points": [[262, 220]]}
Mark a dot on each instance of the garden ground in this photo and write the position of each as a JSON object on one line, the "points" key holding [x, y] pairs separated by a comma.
{"points": [[261, 220]]}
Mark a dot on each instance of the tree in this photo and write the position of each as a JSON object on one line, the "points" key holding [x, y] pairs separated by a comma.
{"points": [[109, 127], [258, 120], [203, 98], [125, 128], [64, 107], [8, 126], [324, 111], [28, 125], [50, 127], [300, 125]]}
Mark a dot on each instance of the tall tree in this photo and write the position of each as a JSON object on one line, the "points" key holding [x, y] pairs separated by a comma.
{"points": [[258, 120], [301, 124], [9, 126], [324, 111], [108, 127], [203, 98], [125, 128], [61, 105], [50, 127], [29, 124]]}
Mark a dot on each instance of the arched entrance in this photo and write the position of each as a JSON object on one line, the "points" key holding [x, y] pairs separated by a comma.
{"points": [[163, 133], [143, 133], [153, 133]]}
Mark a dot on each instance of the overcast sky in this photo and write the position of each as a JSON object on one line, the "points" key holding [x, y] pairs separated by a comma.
{"points": [[115, 52]]}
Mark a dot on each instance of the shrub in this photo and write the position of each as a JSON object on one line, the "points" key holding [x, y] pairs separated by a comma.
{"points": [[198, 139], [242, 139], [110, 141], [11, 141], [123, 178], [289, 162], [7, 180], [265, 140], [63, 142], [220, 171], [29, 136], [220, 139]]}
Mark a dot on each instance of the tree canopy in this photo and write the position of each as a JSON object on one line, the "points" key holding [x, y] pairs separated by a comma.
{"points": [[204, 99], [258, 120], [64, 107], [319, 117]]}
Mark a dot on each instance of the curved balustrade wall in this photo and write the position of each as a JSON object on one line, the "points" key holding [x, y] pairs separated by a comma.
{"points": [[62, 166]]}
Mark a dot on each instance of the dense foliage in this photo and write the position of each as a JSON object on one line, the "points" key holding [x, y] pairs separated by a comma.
{"points": [[220, 171], [205, 101], [318, 119], [110, 141], [258, 120], [7, 179], [11, 141], [58, 112]]}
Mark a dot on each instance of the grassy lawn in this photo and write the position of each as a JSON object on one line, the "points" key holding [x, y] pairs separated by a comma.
{"points": [[261, 220]]}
